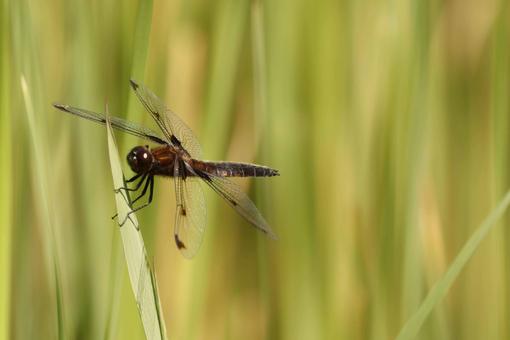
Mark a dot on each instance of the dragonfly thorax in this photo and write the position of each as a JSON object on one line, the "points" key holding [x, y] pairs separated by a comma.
{"points": [[140, 159]]}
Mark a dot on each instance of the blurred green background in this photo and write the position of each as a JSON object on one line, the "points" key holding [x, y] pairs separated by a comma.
{"points": [[388, 121]]}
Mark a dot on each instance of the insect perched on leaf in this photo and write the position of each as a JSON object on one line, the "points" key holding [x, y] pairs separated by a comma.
{"points": [[178, 155]]}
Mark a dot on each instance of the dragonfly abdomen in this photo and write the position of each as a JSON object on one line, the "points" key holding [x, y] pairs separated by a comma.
{"points": [[233, 169]]}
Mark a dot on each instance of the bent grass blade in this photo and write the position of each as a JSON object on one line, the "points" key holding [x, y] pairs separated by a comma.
{"points": [[141, 275], [441, 287]]}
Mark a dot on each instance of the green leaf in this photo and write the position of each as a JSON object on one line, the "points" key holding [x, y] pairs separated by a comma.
{"points": [[141, 274]]}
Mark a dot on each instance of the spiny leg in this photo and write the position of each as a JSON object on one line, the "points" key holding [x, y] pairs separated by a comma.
{"points": [[126, 188], [147, 183], [151, 193], [132, 179], [150, 185], [135, 177], [126, 199]]}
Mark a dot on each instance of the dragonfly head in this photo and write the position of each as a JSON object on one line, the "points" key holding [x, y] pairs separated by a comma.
{"points": [[140, 159]]}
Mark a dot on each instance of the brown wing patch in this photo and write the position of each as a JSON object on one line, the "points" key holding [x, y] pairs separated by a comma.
{"points": [[179, 243], [190, 214]]}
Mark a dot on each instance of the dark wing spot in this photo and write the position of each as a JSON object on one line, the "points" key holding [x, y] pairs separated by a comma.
{"points": [[179, 243], [175, 141], [183, 212], [234, 203], [133, 84]]}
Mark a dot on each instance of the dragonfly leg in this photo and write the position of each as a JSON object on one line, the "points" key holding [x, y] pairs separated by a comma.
{"points": [[149, 185], [144, 191], [123, 190], [132, 179]]}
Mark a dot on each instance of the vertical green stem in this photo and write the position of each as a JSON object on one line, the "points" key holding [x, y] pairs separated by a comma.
{"points": [[6, 175], [229, 28], [261, 121], [499, 114], [29, 75], [140, 48], [414, 156]]}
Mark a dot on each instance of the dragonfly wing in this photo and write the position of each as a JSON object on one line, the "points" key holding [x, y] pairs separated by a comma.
{"points": [[238, 200], [117, 123], [171, 125], [190, 213]]}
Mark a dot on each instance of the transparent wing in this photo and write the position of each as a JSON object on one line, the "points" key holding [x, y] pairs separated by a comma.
{"points": [[238, 200], [190, 214], [117, 123], [169, 122]]}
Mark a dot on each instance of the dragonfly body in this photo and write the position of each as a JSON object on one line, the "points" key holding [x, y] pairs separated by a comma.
{"points": [[234, 169], [178, 155], [160, 161]]}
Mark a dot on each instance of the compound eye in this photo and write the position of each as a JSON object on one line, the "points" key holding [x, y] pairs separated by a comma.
{"points": [[140, 159], [142, 155]]}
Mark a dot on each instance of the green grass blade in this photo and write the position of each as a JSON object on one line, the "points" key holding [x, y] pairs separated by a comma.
{"points": [[115, 289], [229, 30], [6, 183], [142, 34], [440, 288], [262, 138], [140, 47], [229, 24], [43, 194], [140, 273]]}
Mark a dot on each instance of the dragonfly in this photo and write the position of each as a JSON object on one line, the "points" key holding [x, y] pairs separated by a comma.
{"points": [[178, 155]]}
